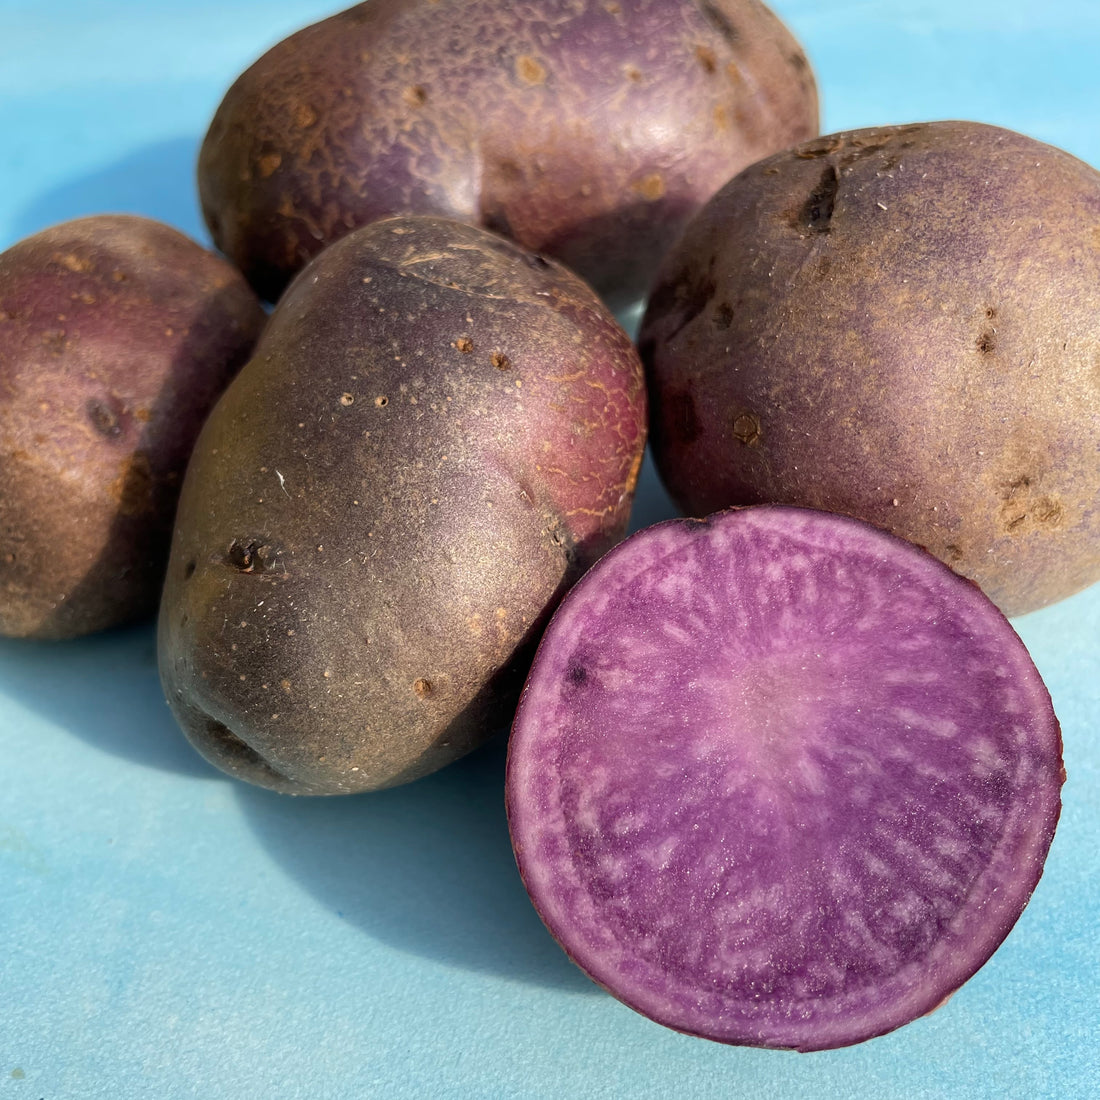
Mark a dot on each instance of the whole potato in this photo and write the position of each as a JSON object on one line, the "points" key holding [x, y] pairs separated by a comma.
{"points": [[117, 334], [901, 324], [586, 129], [437, 433]]}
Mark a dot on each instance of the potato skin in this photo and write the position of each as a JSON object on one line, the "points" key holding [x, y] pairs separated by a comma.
{"points": [[584, 129], [901, 324], [117, 334], [438, 432]]}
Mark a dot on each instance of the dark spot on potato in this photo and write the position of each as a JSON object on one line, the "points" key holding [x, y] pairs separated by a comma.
{"points": [[500, 360], [723, 315], [347, 399], [705, 57], [235, 755], [381, 401], [189, 570], [464, 345], [632, 74], [746, 428], [680, 418], [250, 556], [721, 22], [987, 342], [509, 170], [816, 213], [104, 419], [577, 674], [415, 96], [684, 296], [422, 687], [535, 260], [496, 220], [798, 60], [954, 552], [990, 313]]}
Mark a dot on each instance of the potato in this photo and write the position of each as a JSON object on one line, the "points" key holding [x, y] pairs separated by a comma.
{"points": [[589, 131], [780, 779], [901, 324], [437, 433], [116, 336]]}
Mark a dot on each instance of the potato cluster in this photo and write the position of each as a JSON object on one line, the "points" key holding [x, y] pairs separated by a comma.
{"points": [[361, 512]]}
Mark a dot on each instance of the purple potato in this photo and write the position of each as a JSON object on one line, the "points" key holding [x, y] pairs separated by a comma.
{"points": [[436, 435], [589, 131], [780, 779], [117, 334], [901, 324]]}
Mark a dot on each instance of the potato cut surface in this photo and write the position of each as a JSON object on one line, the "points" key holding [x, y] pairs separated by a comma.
{"points": [[780, 779]]}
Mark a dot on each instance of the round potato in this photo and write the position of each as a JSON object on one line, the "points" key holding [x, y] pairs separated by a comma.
{"points": [[901, 324], [117, 334], [437, 434], [589, 131]]}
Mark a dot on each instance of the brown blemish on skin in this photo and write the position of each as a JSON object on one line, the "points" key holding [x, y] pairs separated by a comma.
{"points": [[347, 399], [500, 360], [529, 70], [464, 345], [381, 401], [269, 164], [415, 96], [705, 56], [650, 187], [746, 428], [987, 342], [71, 262], [304, 116], [422, 687], [632, 74], [723, 315], [821, 147], [1023, 510]]}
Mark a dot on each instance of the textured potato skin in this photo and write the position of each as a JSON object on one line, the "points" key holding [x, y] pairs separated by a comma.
{"points": [[117, 334], [585, 129], [901, 324], [437, 433]]}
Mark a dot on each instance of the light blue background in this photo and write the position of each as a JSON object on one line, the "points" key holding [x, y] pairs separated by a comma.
{"points": [[166, 933]]}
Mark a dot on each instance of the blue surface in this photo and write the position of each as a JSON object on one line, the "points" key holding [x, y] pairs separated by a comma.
{"points": [[167, 933]]}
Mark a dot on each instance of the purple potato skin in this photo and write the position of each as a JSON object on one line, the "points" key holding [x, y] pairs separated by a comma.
{"points": [[117, 334], [589, 131], [899, 324], [437, 434], [778, 778]]}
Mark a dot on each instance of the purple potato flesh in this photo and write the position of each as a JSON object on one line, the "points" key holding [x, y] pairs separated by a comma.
{"points": [[780, 779]]}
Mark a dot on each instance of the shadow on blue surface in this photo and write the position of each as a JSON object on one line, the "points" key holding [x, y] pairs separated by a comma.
{"points": [[105, 690], [426, 868], [156, 180]]}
